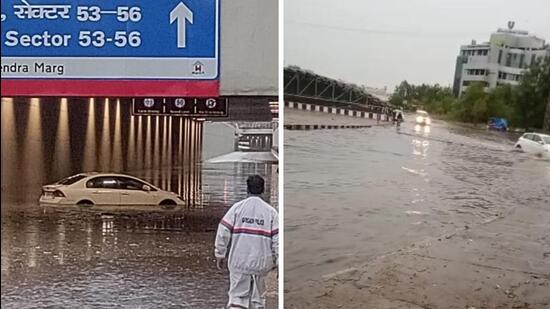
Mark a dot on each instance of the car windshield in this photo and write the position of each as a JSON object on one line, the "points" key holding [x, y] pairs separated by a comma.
{"points": [[70, 180], [422, 113]]}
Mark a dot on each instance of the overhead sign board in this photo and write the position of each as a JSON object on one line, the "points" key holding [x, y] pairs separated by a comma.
{"points": [[181, 106], [110, 48]]}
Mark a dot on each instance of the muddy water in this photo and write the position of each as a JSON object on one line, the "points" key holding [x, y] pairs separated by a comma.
{"points": [[113, 258], [351, 195], [103, 257]]}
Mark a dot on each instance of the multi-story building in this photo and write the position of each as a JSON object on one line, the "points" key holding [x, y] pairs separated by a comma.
{"points": [[502, 60]]}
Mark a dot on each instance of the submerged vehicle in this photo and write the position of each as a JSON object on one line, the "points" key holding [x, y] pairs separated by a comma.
{"points": [[534, 143], [106, 189], [499, 124], [423, 118]]}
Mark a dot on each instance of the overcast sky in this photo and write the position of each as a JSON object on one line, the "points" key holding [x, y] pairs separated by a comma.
{"points": [[382, 42]]}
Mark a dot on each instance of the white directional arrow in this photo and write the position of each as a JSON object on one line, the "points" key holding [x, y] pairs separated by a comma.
{"points": [[182, 14]]}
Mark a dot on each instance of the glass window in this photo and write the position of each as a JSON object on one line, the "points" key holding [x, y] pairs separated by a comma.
{"points": [[70, 180], [130, 184], [537, 138], [546, 140], [499, 56], [528, 136], [521, 60], [103, 182]]}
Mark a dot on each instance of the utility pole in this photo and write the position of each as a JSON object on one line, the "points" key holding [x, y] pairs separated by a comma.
{"points": [[546, 124]]}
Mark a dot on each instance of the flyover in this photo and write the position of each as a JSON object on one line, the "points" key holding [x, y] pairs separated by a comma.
{"points": [[307, 91]]}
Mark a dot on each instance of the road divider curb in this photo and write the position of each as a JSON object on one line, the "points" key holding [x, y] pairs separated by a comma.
{"points": [[380, 116], [323, 126]]}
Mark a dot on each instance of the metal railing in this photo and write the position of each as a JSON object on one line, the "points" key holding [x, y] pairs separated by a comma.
{"points": [[309, 87]]}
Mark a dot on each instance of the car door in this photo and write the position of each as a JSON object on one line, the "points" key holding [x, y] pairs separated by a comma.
{"points": [[537, 145], [132, 192], [104, 190], [526, 142]]}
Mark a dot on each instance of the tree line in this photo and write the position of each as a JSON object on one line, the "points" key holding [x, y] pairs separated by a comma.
{"points": [[523, 105]]}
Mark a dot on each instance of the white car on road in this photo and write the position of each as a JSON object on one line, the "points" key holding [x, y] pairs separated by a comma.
{"points": [[534, 143], [423, 118], [106, 189]]}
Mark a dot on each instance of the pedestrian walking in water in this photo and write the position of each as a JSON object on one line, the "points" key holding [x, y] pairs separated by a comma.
{"points": [[248, 238]]}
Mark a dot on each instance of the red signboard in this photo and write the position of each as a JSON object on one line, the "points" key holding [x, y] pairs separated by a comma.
{"points": [[108, 88]]}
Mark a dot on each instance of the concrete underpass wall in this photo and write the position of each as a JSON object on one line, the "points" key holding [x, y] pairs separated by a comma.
{"points": [[44, 140], [219, 139]]}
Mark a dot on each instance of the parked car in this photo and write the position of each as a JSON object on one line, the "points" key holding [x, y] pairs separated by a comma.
{"points": [[106, 189], [423, 118], [534, 143], [499, 124]]}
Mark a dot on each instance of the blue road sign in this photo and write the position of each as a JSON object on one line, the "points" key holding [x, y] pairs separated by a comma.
{"points": [[116, 39]]}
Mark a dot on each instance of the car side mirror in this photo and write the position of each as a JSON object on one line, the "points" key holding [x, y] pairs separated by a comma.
{"points": [[541, 142], [146, 188]]}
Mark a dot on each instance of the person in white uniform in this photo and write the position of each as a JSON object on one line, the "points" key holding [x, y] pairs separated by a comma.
{"points": [[248, 237]]}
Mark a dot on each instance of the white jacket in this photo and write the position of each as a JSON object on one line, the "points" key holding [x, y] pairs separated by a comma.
{"points": [[250, 232]]}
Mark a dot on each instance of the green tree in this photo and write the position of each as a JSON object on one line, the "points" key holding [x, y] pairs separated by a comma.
{"points": [[401, 94], [523, 105], [473, 101], [532, 93]]}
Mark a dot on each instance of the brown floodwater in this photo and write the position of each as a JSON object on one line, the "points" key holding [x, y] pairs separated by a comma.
{"points": [[353, 195], [112, 257]]}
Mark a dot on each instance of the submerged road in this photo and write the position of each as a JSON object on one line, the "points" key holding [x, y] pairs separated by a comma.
{"points": [[416, 217], [136, 257]]}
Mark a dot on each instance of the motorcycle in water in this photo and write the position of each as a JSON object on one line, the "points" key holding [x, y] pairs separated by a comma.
{"points": [[398, 117]]}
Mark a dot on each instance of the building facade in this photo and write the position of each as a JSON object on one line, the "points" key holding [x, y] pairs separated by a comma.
{"points": [[502, 60]]}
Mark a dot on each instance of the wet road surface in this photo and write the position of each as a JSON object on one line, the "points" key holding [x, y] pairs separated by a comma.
{"points": [[131, 258], [358, 196]]}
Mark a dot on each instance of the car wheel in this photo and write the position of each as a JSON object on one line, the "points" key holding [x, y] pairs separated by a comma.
{"points": [[169, 204], [85, 203], [518, 146]]}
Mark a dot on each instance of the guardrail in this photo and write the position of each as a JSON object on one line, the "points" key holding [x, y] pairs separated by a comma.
{"points": [[382, 114]]}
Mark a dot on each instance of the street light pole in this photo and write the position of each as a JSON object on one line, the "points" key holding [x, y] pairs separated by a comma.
{"points": [[546, 124]]}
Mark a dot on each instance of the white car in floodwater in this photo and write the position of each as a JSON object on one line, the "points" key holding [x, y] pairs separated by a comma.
{"points": [[106, 189], [423, 118], [535, 143]]}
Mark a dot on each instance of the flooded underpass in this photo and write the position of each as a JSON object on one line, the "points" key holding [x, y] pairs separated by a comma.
{"points": [[415, 217], [111, 256]]}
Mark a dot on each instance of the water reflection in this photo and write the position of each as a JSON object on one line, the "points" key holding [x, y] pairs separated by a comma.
{"points": [[420, 147], [64, 259], [422, 129], [61, 243], [107, 226]]}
